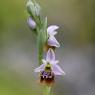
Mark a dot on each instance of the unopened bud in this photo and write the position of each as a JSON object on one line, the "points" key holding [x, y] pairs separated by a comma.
{"points": [[30, 8], [33, 8], [37, 9], [31, 23]]}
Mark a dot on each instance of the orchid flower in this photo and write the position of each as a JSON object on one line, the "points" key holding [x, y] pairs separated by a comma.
{"points": [[49, 68], [51, 31]]}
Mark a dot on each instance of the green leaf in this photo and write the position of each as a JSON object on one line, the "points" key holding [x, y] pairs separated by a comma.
{"points": [[42, 38], [44, 29]]}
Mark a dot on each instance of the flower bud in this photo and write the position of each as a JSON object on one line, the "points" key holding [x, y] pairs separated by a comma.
{"points": [[33, 8], [31, 23], [30, 8], [37, 9]]}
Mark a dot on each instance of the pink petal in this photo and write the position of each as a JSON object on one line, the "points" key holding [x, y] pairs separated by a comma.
{"points": [[51, 29], [57, 70], [44, 61], [50, 55], [31, 23], [40, 68], [54, 62], [53, 42]]}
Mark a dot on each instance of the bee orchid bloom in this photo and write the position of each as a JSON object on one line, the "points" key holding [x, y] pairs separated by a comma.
{"points": [[49, 68], [51, 31]]}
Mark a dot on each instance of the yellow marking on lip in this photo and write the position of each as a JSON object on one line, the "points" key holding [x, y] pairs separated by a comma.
{"points": [[48, 67]]}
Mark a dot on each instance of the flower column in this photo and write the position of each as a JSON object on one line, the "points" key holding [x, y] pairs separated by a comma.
{"points": [[46, 43]]}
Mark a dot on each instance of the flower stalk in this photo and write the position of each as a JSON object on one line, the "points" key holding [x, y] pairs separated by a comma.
{"points": [[47, 90], [46, 44]]}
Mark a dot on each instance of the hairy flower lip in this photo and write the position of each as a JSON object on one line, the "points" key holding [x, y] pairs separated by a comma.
{"points": [[50, 58], [51, 30], [48, 78]]}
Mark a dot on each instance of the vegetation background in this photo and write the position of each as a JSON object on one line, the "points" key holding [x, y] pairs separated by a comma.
{"points": [[18, 51]]}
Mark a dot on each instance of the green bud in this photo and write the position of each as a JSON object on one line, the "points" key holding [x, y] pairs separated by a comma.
{"points": [[33, 8], [30, 8], [37, 9]]}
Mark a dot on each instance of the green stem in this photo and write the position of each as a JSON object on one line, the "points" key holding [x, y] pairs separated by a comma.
{"points": [[47, 90]]}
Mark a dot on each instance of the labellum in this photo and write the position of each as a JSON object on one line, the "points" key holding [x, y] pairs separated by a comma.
{"points": [[47, 76]]}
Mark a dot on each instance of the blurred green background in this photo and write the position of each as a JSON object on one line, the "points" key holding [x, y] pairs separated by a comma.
{"points": [[18, 51]]}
